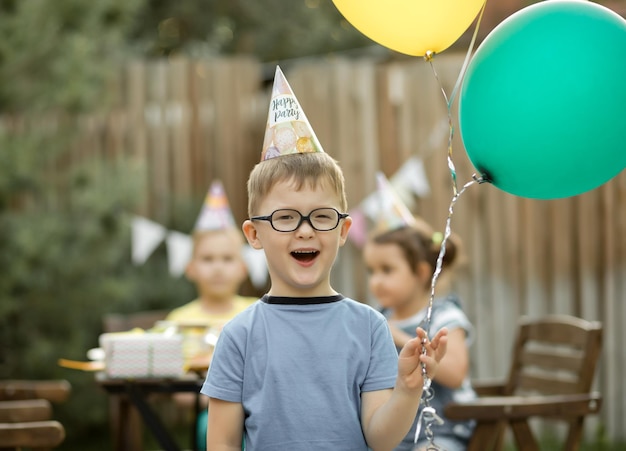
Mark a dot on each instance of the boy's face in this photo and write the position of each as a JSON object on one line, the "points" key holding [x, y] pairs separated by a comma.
{"points": [[299, 262], [216, 267]]}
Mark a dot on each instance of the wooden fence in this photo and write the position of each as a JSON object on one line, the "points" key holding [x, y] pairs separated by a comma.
{"points": [[185, 123]]}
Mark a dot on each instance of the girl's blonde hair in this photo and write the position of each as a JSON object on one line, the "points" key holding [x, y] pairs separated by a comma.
{"points": [[302, 168]]}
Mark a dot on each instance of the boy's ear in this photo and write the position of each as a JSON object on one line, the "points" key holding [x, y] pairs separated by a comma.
{"points": [[346, 223], [251, 234]]}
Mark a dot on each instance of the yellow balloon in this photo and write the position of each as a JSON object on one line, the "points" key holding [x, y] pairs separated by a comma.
{"points": [[414, 27]]}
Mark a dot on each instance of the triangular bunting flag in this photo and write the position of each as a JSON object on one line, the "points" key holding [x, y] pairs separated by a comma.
{"points": [[146, 236], [256, 264], [392, 213], [179, 251], [412, 177]]}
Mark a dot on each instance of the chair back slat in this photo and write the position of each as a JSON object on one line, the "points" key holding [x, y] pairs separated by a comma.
{"points": [[32, 434], [28, 410], [531, 384], [560, 329], [553, 360], [52, 390]]}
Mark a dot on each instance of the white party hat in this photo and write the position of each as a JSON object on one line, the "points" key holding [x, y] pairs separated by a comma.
{"points": [[215, 213], [288, 130]]}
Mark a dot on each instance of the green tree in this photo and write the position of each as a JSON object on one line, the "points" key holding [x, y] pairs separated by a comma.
{"points": [[268, 29]]}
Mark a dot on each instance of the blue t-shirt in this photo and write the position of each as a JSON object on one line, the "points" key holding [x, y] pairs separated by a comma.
{"points": [[299, 366]]}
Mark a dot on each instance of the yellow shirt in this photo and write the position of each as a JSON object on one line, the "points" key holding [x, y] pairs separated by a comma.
{"points": [[193, 312], [196, 324]]}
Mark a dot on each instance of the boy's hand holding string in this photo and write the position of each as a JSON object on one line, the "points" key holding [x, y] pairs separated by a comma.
{"points": [[380, 409]]}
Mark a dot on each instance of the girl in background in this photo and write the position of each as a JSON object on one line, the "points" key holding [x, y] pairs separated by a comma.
{"points": [[401, 263]]}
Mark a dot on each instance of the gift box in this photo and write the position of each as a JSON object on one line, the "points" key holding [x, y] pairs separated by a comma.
{"points": [[143, 355]]}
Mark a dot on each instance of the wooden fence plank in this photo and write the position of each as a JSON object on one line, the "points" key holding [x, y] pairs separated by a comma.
{"points": [[619, 224], [562, 270], [226, 121], [178, 120], [390, 98], [361, 161], [589, 255], [203, 120], [246, 151], [159, 177], [613, 322]]}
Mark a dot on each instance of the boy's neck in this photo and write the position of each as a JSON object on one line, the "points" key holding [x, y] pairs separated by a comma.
{"points": [[217, 305], [302, 294]]}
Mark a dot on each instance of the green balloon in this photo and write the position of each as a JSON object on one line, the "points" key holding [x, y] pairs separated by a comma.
{"points": [[542, 108]]}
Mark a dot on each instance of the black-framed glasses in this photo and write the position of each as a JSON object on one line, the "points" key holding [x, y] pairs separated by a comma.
{"points": [[287, 220]]}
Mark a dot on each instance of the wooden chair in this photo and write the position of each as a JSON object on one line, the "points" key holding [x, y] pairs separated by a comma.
{"points": [[552, 370], [26, 412]]}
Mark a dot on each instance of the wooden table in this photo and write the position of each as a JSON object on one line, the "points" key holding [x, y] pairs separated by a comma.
{"points": [[130, 396]]}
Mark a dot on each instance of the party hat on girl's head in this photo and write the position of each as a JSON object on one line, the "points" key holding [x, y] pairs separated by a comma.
{"points": [[393, 213], [287, 130], [215, 213]]}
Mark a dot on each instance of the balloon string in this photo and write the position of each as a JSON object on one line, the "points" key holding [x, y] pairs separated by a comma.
{"points": [[429, 56], [428, 391], [456, 193], [446, 235], [468, 56]]}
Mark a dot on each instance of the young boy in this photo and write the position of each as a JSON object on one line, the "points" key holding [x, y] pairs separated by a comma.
{"points": [[217, 269], [216, 266], [307, 368]]}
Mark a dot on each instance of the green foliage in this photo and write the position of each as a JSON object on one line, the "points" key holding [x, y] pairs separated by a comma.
{"points": [[54, 54], [269, 29], [63, 269], [64, 222]]}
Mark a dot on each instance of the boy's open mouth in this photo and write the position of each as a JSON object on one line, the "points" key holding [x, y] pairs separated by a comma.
{"points": [[305, 256]]}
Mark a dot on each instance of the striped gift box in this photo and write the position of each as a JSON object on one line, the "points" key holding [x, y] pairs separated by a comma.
{"points": [[143, 355]]}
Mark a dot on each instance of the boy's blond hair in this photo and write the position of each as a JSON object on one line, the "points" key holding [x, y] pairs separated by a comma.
{"points": [[303, 168]]}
